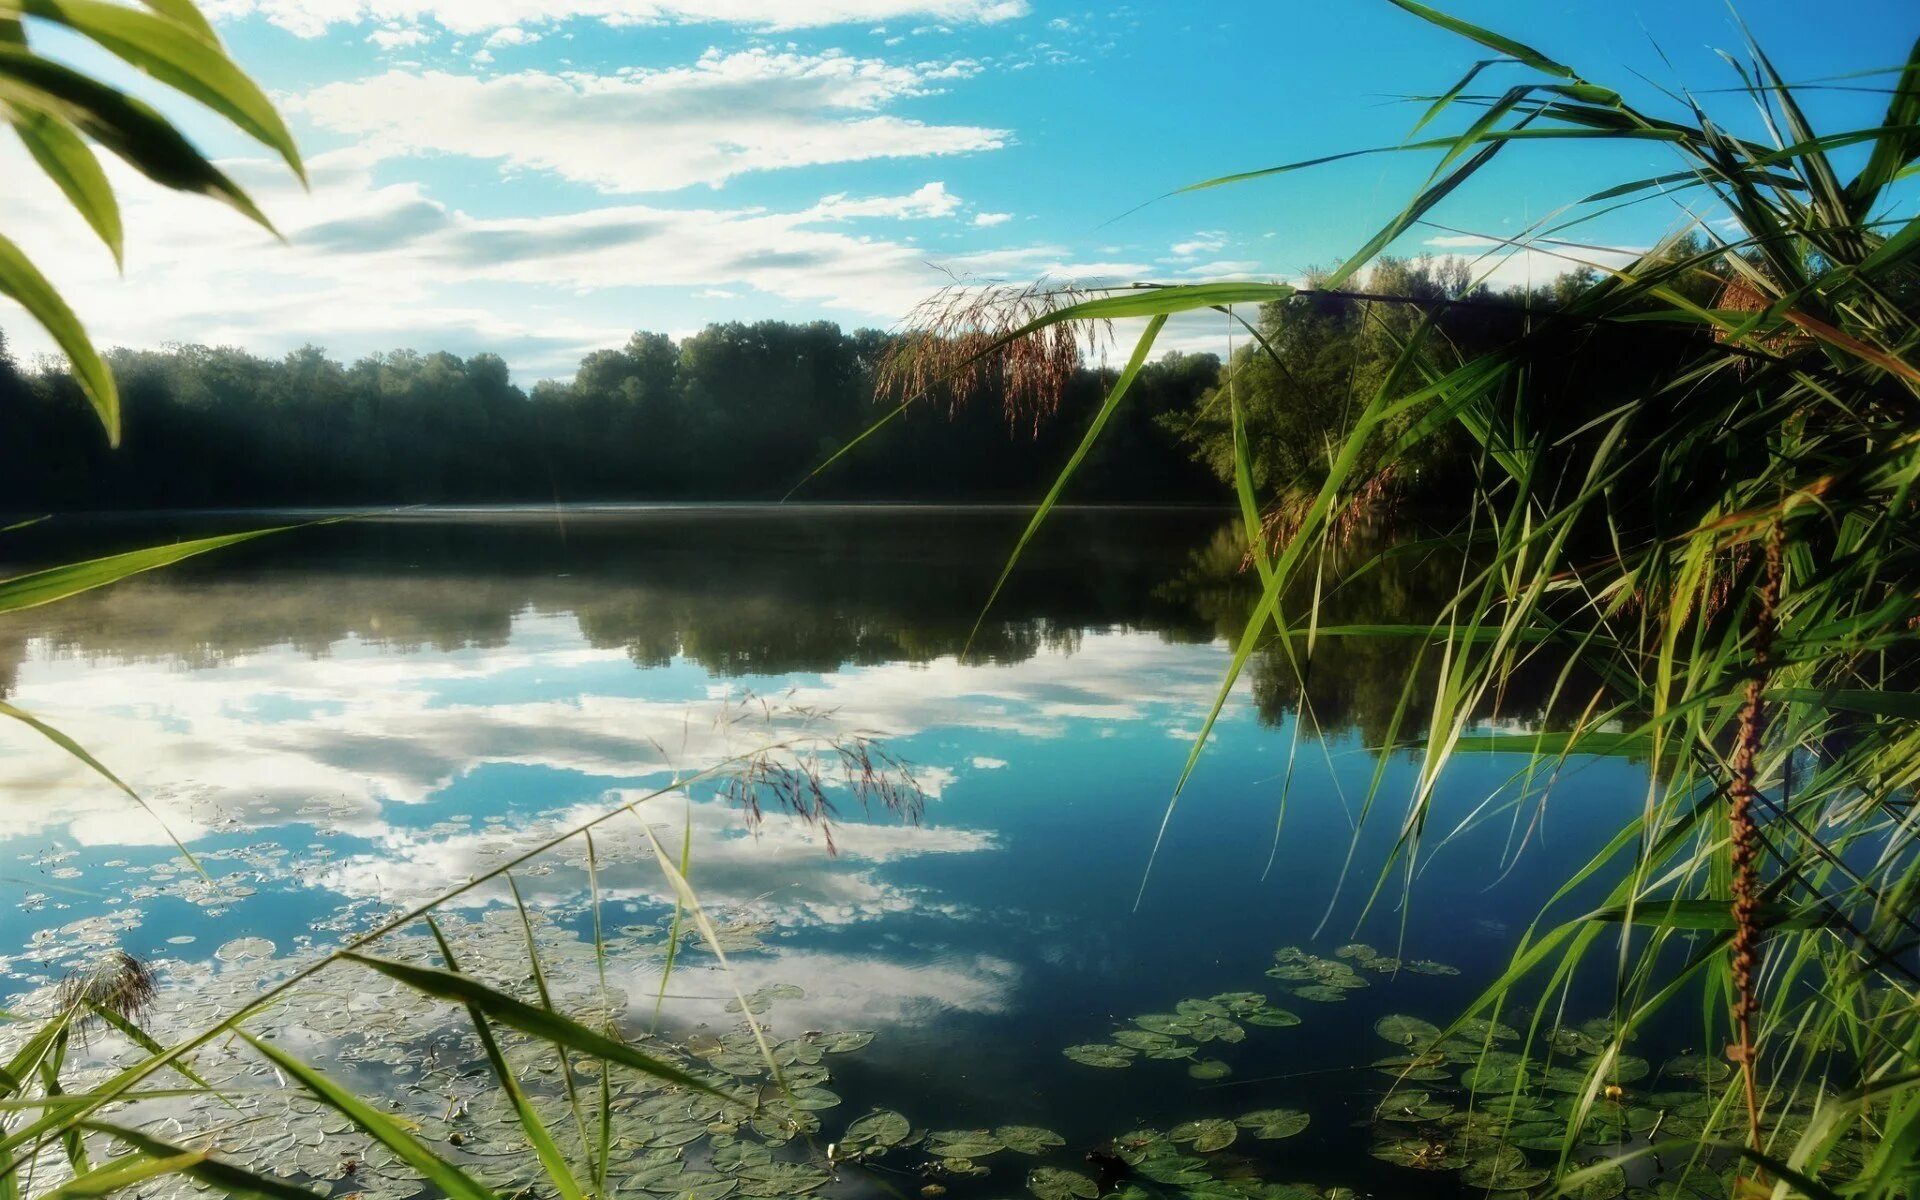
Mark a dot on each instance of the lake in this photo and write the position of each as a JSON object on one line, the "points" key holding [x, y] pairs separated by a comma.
{"points": [[342, 722]]}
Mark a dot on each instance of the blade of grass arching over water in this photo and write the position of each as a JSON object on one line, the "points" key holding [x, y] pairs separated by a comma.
{"points": [[599, 937], [57, 583], [1094, 429], [529, 1019], [123, 1172], [691, 900], [437, 1171], [897, 411], [81, 753], [566, 1064], [142, 1039], [559, 1174], [73, 1142], [1265, 610], [223, 1178], [679, 909]]}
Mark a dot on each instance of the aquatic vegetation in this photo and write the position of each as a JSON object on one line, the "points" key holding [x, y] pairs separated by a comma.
{"points": [[1205, 1136], [1055, 1183], [1271, 1124]]}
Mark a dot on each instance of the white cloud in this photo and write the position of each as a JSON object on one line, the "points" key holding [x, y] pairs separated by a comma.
{"points": [[653, 130], [931, 200], [512, 35], [540, 291], [1200, 243], [983, 763], [311, 18], [987, 220], [397, 37]]}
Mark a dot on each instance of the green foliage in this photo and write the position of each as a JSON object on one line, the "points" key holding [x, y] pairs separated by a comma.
{"points": [[1644, 466], [1298, 371], [734, 412], [57, 110]]}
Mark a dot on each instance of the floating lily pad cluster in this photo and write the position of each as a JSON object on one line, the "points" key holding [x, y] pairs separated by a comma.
{"points": [[1475, 1103], [943, 1152], [1328, 980], [1181, 1034], [1189, 1159]]}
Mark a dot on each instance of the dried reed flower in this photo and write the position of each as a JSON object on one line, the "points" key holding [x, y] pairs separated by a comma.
{"points": [[120, 985], [802, 755], [1739, 294], [958, 344], [1372, 507]]}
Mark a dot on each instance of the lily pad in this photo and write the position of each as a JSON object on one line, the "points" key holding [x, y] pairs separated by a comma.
{"points": [[1209, 1069], [1101, 1054], [1421, 1154], [1162, 1023], [697, 1186], [1240, 1004], [1403, 1030], [963, 1143], [1703, 1067], [1175, 1050], [1206, 1136], [1606, 1182], [1053, 1183], [1174, 1170], [1028, 1139], [1479, 1029], [1209, 1029], [779, 1178], [846, 1040], [1143, 1039], [1321, 992], [1272, 1124], [244, 949], [1272, 1018], [882, 1127], [1141, 1144], [1504, 1167]]}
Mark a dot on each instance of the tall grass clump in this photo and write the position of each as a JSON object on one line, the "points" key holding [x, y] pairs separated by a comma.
{"points": [[1727, 544]]}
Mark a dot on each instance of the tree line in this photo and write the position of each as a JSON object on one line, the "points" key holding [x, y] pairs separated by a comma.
{"points": [[735, 412], [738, 411]]}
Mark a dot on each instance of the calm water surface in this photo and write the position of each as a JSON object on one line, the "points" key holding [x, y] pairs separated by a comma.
{"points": [[345, 721]]}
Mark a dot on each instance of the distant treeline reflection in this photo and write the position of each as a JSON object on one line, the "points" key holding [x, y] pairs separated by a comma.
{"points": [[758, 592]]}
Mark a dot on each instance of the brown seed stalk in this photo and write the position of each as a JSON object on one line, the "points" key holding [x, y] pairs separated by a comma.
{"points": [[1746, 879]]}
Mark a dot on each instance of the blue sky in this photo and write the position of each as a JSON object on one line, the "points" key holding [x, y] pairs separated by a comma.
{"points": [[540, 177]]}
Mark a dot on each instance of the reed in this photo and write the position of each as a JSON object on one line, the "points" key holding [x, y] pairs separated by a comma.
{"points": [[1730, 551]]}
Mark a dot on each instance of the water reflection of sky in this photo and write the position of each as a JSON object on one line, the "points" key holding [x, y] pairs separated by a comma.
{"points": [[328, 779]]}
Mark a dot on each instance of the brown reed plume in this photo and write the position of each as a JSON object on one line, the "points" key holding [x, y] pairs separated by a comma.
{"points": [[958, 345], [118, 987], [1746, 879]]}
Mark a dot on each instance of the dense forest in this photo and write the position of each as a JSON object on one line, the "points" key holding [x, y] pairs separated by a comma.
{"points": [[735, 412], [738, 411]]}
